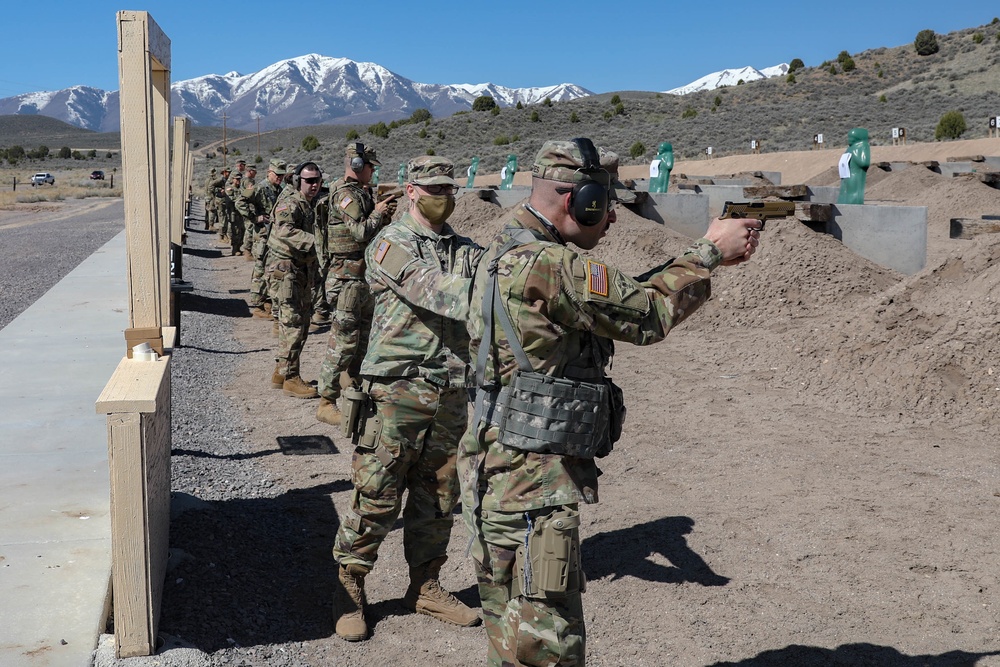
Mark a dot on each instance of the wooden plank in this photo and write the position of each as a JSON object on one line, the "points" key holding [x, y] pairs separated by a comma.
{"points": [[134, 386], [967, 228], [178, 177], [780, 191]]}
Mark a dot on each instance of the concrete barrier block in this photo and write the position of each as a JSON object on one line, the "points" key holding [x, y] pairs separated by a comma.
{"points": [[891, 236], [683, 213]]}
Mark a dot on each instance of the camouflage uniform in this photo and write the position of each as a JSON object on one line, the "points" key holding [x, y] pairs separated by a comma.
{"points": [[250, 227], [416, 369], [260, 202], [211, 217], [291, 271], [353, 222], [565, 310], [237, 226]]}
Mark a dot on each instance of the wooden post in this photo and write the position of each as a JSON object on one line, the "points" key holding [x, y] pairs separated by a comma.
{"points": [[178, 191]]}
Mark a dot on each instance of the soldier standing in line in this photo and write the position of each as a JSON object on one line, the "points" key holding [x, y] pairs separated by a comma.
{"points": [[414, 372], [225, 205], [211, 217], [237, 226], [249, 224], [353, 219], [292, 260], [543, 319], [257, 208]]}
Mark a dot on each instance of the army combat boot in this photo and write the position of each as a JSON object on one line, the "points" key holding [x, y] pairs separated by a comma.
{"points": [[296, 387], [349, 604], [328, 412], [277, 377], [260, 312], [425, 596]]}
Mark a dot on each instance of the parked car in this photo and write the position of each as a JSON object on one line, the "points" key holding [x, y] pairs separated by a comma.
{"points": [[43, 177], [97, 175]]}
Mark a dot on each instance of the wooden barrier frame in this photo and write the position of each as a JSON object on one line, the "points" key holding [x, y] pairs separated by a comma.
{"points": [[137, 398]]}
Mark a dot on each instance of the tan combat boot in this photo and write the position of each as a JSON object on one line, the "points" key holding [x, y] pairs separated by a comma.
{"points": [[248, 256], [277, 377], [425, 596], [274, 329], [349, 604], [328, 412], [260, 313], [296, 387]]}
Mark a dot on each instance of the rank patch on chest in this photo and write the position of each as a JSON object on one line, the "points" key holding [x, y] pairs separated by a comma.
{"points": [[380, 252], [345, 201], [597, 278]]}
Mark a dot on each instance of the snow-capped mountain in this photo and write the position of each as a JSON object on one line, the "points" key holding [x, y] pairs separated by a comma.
{"points": [[729, 77], [308, 90]]}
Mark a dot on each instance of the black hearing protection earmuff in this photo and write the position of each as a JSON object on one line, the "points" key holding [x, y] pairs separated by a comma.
{"points": [[358, 162], [297, 174], [589, 199]]}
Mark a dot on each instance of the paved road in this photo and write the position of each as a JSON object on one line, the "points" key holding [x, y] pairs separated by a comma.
{"points": [[41, 243]]}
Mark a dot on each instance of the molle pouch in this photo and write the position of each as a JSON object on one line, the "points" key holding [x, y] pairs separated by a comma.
{"points": [[355, 408], [350, 297], [551, 564], [616, 417]]}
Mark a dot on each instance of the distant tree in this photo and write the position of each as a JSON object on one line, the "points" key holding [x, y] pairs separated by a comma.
{"points": [[608, 115], [310, 143], [515, 137], [790, 78], [534, 116], [15, 153], [882, 98], [848, 64], [795, 65], [926, 43], [352, 135], [420, 116], [573, 118], [717, 101], [276, 149], [483, 103], [615, 100], [833, 69], [92, 153], [495, 111], [619, 109], [501, 140], [690, 112], [257, 159], [740, 82], [394, 124], [879, 74], [109, 155], [519, 106], [951, 126], [547, 102], [65, 153], [422, 133], [237, 151], [430, 151], [440, 135], [978, 38], [637, 149], [77, 155], [379, 129]]}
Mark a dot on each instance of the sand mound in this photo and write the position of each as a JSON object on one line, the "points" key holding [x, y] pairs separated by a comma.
{"points": [[831, 177]]}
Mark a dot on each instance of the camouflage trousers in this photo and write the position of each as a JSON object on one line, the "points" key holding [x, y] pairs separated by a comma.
{"points": [[211, 215], [321, 307], [523, 630], [226, 212], [292, 292], [350, 326], [259, 292], [237, 230], [250, 236], [421, 426]]}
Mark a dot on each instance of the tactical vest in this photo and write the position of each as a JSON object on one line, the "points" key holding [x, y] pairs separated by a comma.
{"points": [[339, 241], [578, 413]]}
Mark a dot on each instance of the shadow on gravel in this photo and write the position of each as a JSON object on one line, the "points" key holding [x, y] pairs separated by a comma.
{"points": [[625, 552], [226, 307], [850, 655], [203, 252], [228, 457], [211, 351], [260, 571]]}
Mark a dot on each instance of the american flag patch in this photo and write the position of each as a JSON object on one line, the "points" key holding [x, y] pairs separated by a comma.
{"points": [[383, 248], [283, 207], [345, 201], [597, 278]]}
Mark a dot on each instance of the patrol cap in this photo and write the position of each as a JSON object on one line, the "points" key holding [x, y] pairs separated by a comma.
{"points": [[251, 167], [431, 170], [367, 152], [237, 176], [241, 161], [279, 167], [562, 161], [225, 169], [213, 170], [609, 160]]}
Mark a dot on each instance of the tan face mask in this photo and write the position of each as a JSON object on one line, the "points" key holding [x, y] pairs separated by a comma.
{"points": [[436, 208]]}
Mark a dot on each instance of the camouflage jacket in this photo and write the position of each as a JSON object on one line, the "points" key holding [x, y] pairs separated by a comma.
{"points": [[215, 187], [420, 281], [258, 200], [352, 223], [293, 232], [566, 310]]}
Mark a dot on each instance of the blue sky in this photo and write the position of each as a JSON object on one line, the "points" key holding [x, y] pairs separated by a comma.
{"points": [[602, 46]]}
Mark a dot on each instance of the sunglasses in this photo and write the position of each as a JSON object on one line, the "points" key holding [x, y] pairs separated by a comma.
{"points": [[450, 190], [312, 180]]}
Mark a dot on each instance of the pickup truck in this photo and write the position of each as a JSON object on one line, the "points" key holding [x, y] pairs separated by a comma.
{"points": [[43, 177]]}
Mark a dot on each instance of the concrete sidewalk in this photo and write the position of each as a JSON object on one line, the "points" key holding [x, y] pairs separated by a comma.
{"points": [[55, 528]]}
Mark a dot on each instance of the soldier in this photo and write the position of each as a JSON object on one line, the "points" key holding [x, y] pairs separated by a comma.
{"points": [[414, 372], [291, 250], [211, 216], [354, 217], [237, 226], [257, 208], [225, 204], [249, 224], [542, 320]]}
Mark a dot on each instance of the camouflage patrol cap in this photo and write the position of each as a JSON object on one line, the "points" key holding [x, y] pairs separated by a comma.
{"points": [[251, 167], [367, 152], [237, 176], [431, 170], [225, 169], [213, 170], [609, 160], [241, 161], [562, 161], [279, 167]]}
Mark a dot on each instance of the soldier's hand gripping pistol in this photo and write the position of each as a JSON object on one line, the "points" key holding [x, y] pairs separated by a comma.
{"points": [[761, 210]]}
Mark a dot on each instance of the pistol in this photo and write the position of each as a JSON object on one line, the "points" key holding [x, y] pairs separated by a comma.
{"points": [[761, 210], [388, 191]]}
